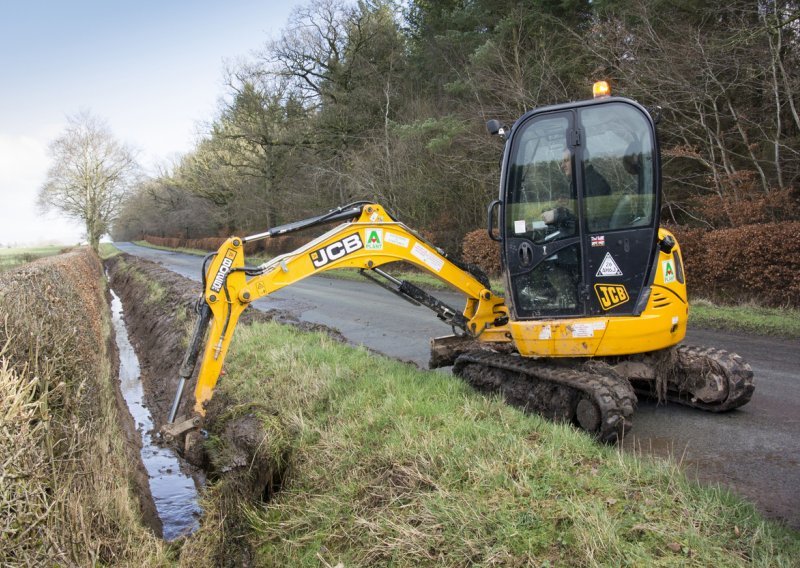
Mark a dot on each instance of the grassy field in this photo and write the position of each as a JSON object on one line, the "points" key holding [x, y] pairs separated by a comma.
{"points": [[779, 322], [11, 257], [387, 465]]}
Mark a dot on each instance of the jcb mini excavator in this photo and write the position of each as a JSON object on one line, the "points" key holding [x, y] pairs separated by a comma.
{"points": [[595, 304]]}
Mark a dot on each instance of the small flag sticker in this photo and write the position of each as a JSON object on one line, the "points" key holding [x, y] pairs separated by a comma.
{"points": [[599, 241]]}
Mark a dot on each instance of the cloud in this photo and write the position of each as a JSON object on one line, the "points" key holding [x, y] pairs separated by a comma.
{"points": [[24, 162]]}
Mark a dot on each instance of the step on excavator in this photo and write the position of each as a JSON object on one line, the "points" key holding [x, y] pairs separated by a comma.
{"points": [[595, 307]]}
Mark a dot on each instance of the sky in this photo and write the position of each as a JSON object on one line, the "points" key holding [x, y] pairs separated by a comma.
{"points": [[153, 70]]}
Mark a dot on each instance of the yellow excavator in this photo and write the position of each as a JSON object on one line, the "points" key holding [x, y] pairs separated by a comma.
{"points": [[595, 304]]}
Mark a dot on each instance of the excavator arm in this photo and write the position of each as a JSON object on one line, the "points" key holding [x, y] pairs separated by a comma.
{"points": [[368, 239]]}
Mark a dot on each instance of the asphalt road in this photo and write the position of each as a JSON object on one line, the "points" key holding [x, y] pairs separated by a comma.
{"points": [[755, 450]]}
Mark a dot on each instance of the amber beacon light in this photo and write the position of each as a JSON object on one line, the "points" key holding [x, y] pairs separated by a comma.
{"points": [[601, 89]]}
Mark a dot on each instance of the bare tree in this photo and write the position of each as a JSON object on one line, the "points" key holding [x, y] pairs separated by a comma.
{"points": [[90, 176], [725, 78]]}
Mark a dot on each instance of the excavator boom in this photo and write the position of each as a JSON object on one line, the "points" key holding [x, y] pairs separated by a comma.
{"points": [[369, 239]]}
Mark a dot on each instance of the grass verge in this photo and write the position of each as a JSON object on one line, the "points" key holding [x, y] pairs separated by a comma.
{"points": [[108, 250], [196, 252], [779, 322], [387, 465]]}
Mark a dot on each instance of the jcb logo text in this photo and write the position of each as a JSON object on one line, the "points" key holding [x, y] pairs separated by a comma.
{"points": [[337, 250], [611, 295]]}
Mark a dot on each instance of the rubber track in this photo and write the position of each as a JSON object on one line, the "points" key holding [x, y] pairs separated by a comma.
{"points": [[610, 393], [736, 371]]}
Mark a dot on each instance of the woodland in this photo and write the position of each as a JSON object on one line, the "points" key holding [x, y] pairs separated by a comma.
{"points": [[387, 101]]}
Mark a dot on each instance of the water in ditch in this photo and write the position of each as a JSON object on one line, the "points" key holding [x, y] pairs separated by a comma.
{"points": [[174, 493]]}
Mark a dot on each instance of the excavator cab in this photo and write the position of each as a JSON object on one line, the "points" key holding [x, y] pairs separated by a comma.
{"points": [[580, 201]]}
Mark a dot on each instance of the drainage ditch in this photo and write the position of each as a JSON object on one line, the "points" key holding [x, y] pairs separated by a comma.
{"points": [[159, 311], [174, 492]]}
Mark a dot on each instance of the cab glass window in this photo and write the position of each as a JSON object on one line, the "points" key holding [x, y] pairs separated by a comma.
{"points": [[541, 198], [617, 168]]}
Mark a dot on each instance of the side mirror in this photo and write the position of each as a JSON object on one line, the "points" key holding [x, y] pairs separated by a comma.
{"points": [[655, 114], [495, 128]]}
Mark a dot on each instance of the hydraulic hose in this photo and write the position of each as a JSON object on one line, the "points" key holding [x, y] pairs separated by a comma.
{"points": [[190, 358]]}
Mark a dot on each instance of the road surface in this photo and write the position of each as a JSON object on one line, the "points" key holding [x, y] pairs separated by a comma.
{"points": [[754, 450]]}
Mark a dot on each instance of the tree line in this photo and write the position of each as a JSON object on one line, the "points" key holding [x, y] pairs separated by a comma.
{"points": [[387, 101]]}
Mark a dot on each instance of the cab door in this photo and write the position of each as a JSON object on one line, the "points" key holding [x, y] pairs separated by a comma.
{"points": [[542, 231], [579, 207], [619, 177]]}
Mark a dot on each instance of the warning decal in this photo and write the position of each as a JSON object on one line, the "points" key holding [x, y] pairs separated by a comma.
{"points": [[608, 267], [396, 239], [427, 257], [582, 330]]}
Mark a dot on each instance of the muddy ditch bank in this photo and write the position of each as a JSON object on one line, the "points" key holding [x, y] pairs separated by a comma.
{"points": [[159, 313]]}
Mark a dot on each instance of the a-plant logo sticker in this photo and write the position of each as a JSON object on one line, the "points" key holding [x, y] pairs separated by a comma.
{"points": [[224, 268], [611, 295], [336, 250], [668, 269], [608, 267], [374, 239]]}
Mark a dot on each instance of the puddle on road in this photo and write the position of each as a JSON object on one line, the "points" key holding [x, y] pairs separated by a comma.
{"points": [[174, 493]]}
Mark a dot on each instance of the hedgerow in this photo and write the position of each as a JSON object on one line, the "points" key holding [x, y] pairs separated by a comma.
{"points": [[66, 494], [753, 263]]}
